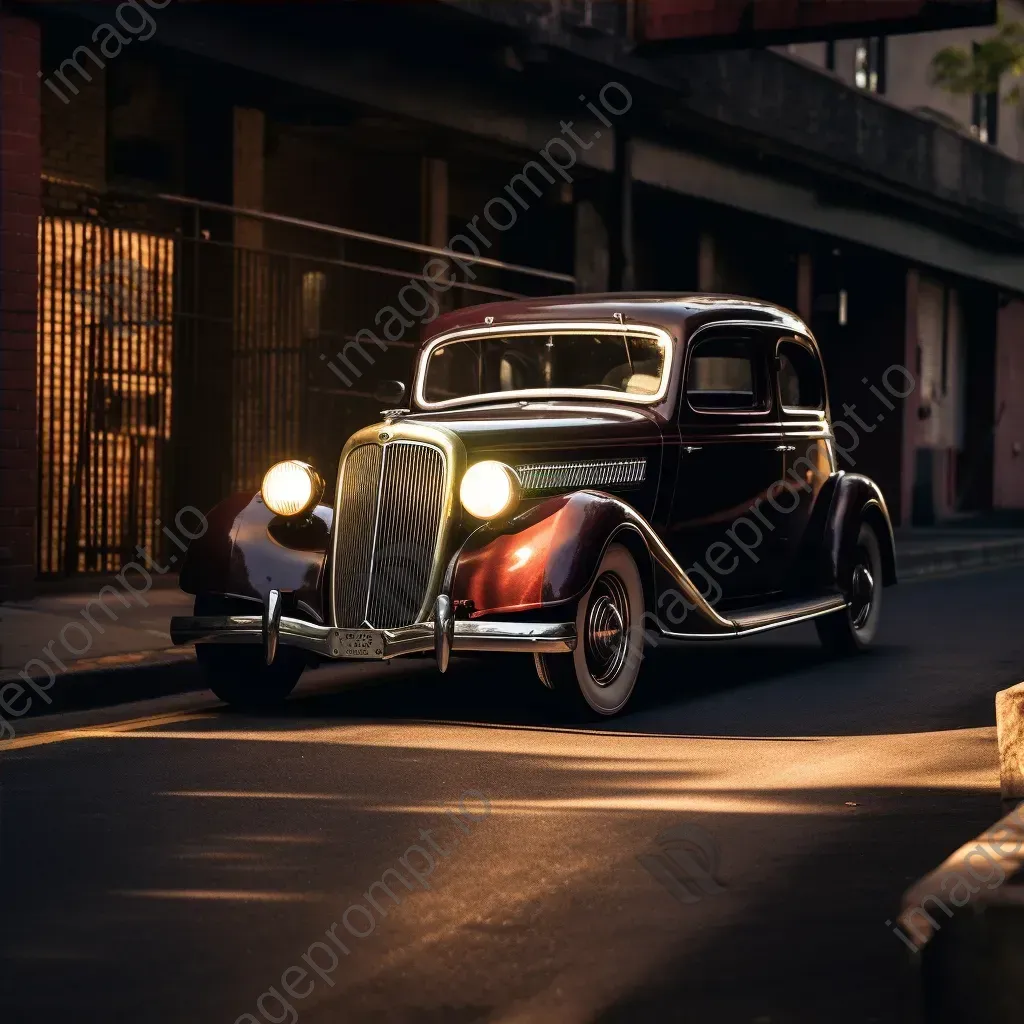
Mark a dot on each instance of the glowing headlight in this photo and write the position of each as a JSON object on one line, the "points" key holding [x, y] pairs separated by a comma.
{"points": [[489, 489], [291, 488]]}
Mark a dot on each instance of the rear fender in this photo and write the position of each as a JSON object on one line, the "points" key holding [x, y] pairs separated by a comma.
{"points": [[855, 500], [247, 551]]}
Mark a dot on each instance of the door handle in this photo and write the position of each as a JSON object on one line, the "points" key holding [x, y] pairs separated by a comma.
{"points": [[691, 448], [785, 447]]}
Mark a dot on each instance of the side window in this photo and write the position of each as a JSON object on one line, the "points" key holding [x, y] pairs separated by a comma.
{"points": [[725, 376], [801, 384]]}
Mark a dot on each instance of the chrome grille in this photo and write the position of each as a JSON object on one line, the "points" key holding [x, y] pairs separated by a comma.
{"points": [[388, 527], [562, 476], [354, 528]]}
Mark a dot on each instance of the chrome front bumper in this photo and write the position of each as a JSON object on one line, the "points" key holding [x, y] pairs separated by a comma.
{"points": [[442, 635]]}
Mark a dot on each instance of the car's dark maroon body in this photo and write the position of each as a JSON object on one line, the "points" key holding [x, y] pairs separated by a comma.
{"points": [[748, 508]]}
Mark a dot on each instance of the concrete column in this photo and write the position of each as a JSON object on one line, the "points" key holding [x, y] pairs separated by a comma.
{"points": [[623, 259], [19, 242], [707, 277], [910, 405], [434, 206], [435, 202], [249, 174], [1008, 455], [805, 286], [591, 259]]}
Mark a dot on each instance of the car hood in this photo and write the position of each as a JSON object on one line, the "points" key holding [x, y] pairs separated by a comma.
{"points": [[545, 426]]}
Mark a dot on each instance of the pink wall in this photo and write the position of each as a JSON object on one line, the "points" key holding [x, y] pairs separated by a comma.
{"points": [[1008, 470]]}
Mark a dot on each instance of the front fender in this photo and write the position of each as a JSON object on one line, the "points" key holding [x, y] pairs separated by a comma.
{"points": [[247, 551], [547, 556]]}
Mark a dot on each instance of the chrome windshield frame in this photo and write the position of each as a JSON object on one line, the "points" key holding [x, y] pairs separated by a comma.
{"points": [[659, 334]]}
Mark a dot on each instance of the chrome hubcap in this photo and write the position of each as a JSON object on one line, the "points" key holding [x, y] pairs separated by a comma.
{"points": [[862, 592], [606, 633]]}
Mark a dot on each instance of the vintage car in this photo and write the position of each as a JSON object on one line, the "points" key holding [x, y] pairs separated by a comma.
{"points": [[577, 478]]}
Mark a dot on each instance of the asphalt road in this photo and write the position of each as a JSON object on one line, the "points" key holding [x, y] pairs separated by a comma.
{"points": [[171, 861]]}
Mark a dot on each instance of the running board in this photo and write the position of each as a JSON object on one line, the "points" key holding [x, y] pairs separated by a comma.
{"points": [[770, 616]]}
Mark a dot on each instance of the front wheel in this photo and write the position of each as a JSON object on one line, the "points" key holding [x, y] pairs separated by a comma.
{"points": [[599, 677], [240, 676], [854, 628]]}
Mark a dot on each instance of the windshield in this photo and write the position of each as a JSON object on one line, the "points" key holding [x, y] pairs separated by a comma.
{"points": [[626, 364]]}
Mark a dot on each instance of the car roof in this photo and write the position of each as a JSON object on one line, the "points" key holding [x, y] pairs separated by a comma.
{"points": [[682, 313]]}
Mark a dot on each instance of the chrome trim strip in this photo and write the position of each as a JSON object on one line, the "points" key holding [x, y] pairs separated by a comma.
{"points": [[725, 629], [827, 606], [667, 561], [790, 321], [376, 531], [523, 637], [547, 327], [515, 637]]}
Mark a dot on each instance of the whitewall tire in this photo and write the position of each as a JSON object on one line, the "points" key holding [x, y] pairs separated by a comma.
{"points": [[599, 677]]}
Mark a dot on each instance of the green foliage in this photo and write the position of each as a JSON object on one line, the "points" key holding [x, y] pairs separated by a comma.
{"points": [[982, 68]]}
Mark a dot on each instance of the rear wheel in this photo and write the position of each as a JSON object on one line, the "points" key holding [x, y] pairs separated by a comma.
{"points": [[599, 677], [854, 628]]}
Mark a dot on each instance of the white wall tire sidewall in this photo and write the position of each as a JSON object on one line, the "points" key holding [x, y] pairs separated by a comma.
{"points": [[612, 698]]}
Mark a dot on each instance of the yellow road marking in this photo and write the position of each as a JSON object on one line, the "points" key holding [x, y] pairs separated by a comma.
{"points": [[99, 731], [241, 895]]}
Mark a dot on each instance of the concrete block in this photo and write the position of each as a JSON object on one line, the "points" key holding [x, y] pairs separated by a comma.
{"points": [[964, 923], [1010, 731]]}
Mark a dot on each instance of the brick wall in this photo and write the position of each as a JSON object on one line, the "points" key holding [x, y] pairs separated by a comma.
{"points": [[73, 130], [19, 212]]}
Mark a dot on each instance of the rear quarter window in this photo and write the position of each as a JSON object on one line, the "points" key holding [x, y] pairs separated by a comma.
{"points": [[801, 384], [724, 375]]}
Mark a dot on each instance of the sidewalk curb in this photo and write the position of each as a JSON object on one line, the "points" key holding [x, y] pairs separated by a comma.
{"points": [[112, 679], [982, 554], [110, 663]]}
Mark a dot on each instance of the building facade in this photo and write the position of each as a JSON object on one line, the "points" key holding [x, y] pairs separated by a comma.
{"points": [[898, 68], [218, 233]]}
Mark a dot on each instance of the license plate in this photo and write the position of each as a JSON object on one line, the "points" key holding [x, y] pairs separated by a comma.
{"points": [[357, 643]]}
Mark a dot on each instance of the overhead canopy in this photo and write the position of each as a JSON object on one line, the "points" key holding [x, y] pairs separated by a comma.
{"points": [[731, 24], [701, 177]]}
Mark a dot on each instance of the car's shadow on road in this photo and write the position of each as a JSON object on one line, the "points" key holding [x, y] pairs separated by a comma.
{"points": [[758, 687]]}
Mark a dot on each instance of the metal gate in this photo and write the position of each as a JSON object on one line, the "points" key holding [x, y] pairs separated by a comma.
{"points": [[104, 391], [185, 346]]}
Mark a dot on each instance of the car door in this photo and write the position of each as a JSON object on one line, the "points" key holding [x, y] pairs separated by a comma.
{"points": [[809, 455], [730, 455]]}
